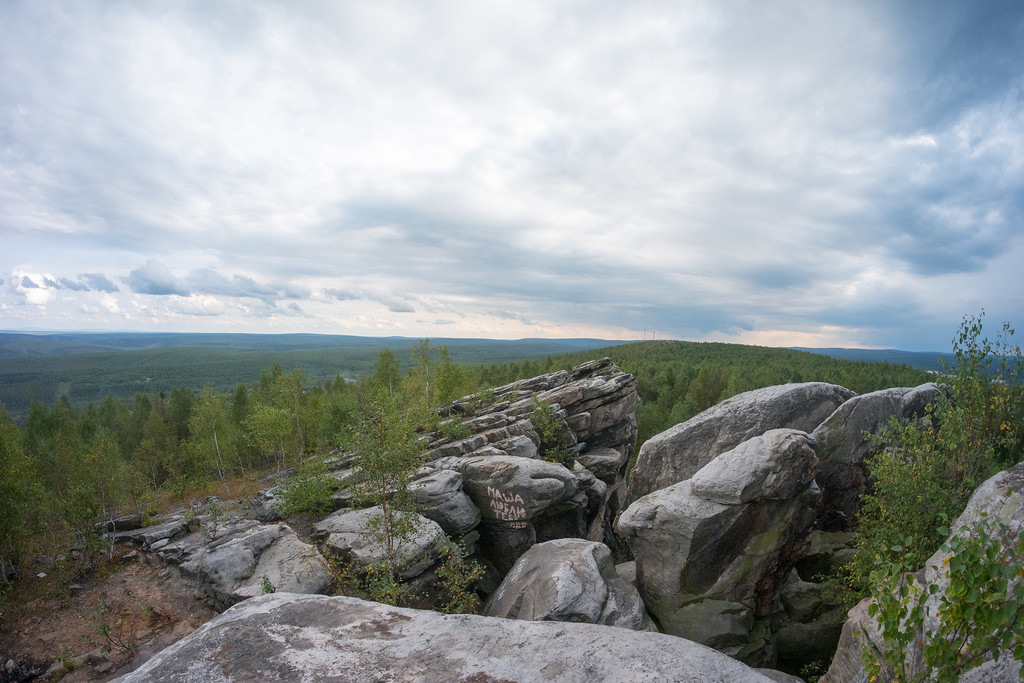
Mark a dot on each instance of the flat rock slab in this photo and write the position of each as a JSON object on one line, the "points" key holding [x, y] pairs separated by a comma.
{"points": [[288, 637]]}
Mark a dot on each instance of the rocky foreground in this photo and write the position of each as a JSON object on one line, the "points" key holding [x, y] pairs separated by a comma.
{"points": [[733, 517], [288, 637]]}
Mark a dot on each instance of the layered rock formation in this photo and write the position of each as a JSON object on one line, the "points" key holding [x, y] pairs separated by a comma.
{"points": [[287, 637], [235, 559], [520, 497]]}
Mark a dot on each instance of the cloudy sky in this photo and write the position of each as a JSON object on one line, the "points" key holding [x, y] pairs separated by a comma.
{"points": [[846, 173]]}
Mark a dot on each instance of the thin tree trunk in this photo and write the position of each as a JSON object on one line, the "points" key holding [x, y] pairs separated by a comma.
{"points": [[298, 428], [220, 464]]}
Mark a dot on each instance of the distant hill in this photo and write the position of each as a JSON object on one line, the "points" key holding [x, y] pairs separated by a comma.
{"points": [[31, 345], [87, 366], [922, 360]]}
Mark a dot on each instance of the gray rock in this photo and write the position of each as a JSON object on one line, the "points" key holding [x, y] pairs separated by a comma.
{"points": [[347, 534], [520, 446], [284, 637], [844, 439], [606, 464], [627, 572], [678, 453], [149, 535], [515, 490], [268, 505], [827, 552], [231, 566], [125, 523], [799, 643], [775, 465], [802, 600], [858, 629], [439, 496], [568, 580], [711, 571]]}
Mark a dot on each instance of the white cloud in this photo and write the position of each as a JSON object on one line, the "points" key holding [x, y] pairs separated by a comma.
{"points": [[685, 167], [196, 305], [109, 303]]}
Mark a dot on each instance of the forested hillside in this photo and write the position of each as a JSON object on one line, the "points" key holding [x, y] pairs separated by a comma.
{"points": [[85, 368]]}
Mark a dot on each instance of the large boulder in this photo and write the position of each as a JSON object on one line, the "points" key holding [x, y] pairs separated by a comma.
{"points": [[845, 438], [237, 560], [712, 552], [515, 490], [568, 580], [511, 494], [1000, 499], [679, 452], [349, 535], [286, 637], [775, 466], [439, 496]]}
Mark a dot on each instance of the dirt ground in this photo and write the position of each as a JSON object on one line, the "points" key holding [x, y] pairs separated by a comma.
{"points": [[97, 630]]}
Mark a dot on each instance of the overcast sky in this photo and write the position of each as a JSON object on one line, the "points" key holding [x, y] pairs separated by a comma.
{"points": [[777, 173]]}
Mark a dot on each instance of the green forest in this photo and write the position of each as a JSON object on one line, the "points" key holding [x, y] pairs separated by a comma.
{"points": [[85, 368]]}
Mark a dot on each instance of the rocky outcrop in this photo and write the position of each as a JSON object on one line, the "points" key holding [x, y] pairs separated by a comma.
{"points": [[712, 552], [700, 484], [999, 499], [678, 453], [498, 483], [844, 439], [568, 580], [595, 403], [521, 498], [348, 535], [235, 559], [286, 637]]}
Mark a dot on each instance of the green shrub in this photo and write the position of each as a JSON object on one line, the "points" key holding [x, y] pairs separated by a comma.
{"points": [[925, 472], [980, 613], [548, 424], [455, 429], [380, 585], [457, 575], [311, 490]]}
